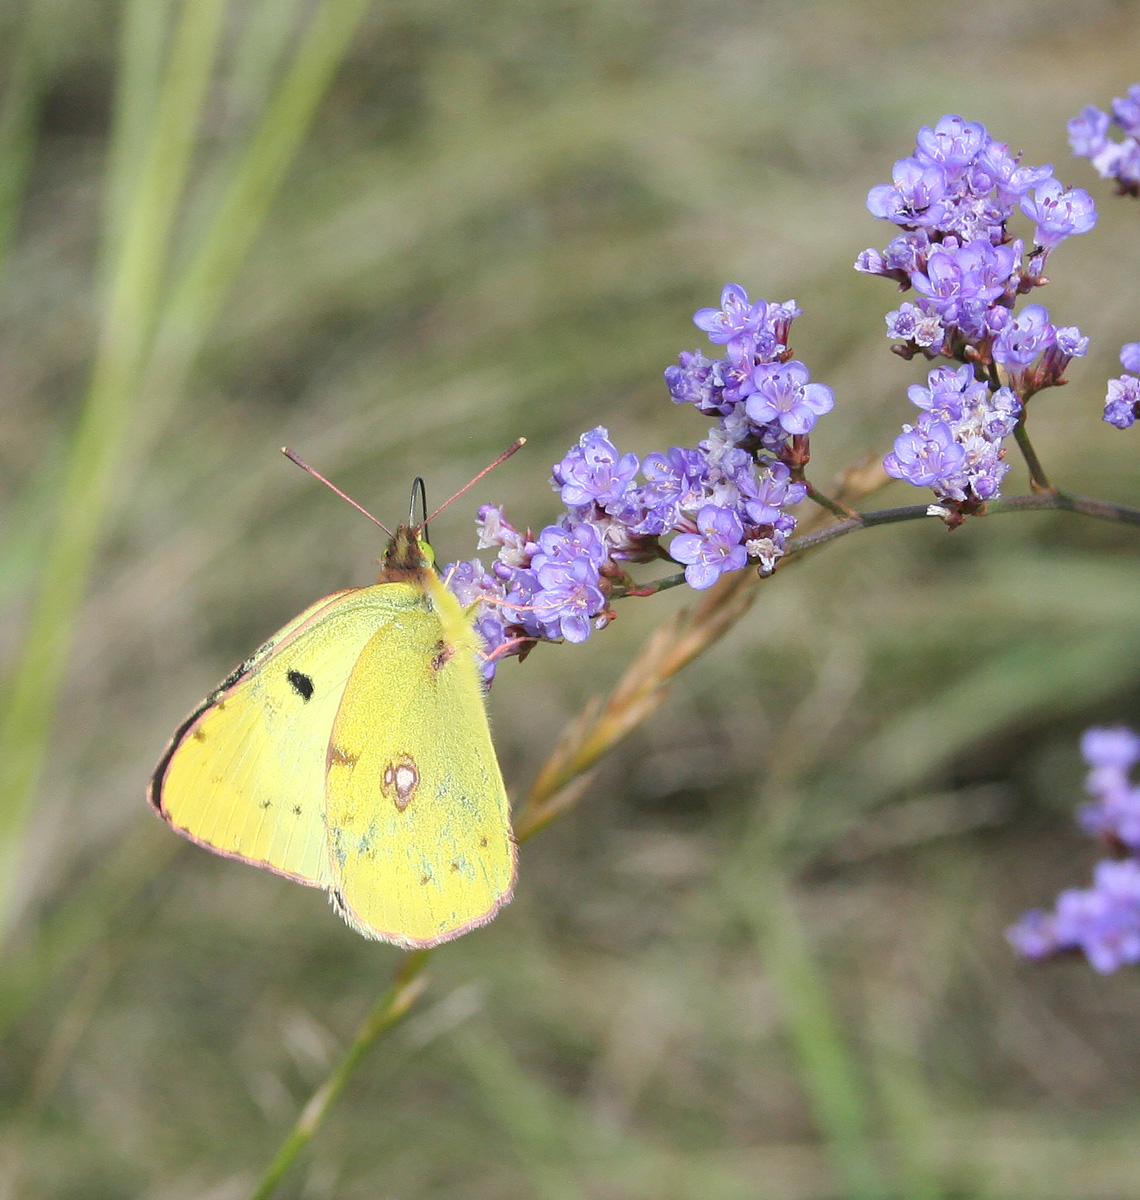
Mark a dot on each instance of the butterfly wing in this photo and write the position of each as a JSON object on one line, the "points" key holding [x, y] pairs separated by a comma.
{"points": [[418, 819], [245, 773]]}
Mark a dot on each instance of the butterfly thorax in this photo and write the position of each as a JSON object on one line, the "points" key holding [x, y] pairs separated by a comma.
{"points": [[408, 557]]}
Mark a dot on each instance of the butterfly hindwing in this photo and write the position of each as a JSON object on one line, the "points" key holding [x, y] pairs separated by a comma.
{"points": [[245, 774], [418, 819]]}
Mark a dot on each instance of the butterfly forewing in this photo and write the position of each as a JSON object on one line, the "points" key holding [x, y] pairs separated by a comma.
{"points": [[245, 774]]}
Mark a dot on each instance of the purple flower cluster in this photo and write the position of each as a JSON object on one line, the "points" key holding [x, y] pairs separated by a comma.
{"points": [[953, 199], [1122, 403], [1103, 921], [1088, 136], [725, 499], [955, 446]]}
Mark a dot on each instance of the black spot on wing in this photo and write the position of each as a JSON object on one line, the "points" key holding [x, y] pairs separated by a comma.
{"points": [[301, 684]]}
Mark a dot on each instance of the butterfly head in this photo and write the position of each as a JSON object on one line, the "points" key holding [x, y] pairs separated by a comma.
{"points": [[409, 554]]}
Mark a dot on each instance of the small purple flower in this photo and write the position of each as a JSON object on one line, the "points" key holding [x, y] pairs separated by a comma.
{"points": [[478, 589], [1059, 214], [470, 583], [1003, 172], [1122, 402], [910, 323], [1026, 336], [674, 481], [779, 323], [1115, 747], [1035, 935], [1125, 165], [784, 396], [1088, 132], [917, 187], [593, 472], [1115, 812], [1130, 356], [495, 530], [713, 549], [983, 469], [696, 380], [955, 447], [948, 392], [1071, 342], [1001, 413], [926, 456], [953, 143], [765, 496], [735, 318], [955, 275], [1126, 111], [568, 598], [1104, 920]]}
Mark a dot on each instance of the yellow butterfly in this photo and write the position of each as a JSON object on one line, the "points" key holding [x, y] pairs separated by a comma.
{"points": [[352, 752]]}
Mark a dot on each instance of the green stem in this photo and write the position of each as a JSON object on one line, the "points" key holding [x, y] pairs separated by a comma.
{"points": [[825, 501], [651, 589], [1038, 480], [391, 1008]]}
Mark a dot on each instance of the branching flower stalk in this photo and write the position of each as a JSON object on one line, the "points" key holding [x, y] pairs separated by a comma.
{"points": [[726, 503]]}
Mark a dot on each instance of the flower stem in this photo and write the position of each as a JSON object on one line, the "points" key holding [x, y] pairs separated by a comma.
{"points": [[1034, 502], [1038, 480], [832, 506]]}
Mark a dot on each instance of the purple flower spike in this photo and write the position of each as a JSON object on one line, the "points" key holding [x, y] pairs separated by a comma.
{"points": [[735, 318], [714, 549], [1102, 922], [784, 396], [1059, 214]]}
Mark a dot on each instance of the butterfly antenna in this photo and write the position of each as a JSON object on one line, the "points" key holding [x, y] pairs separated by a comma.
{"points": [[514, 446], [296, 458]]}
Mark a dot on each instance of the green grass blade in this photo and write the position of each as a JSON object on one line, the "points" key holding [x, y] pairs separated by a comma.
{"points": [[827, 1068], [132, 302], [530, 1115], [199, 292], [18, 111], [142, 38]]}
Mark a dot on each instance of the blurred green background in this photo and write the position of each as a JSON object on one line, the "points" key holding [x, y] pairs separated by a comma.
{"points": [[764, 956]]}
